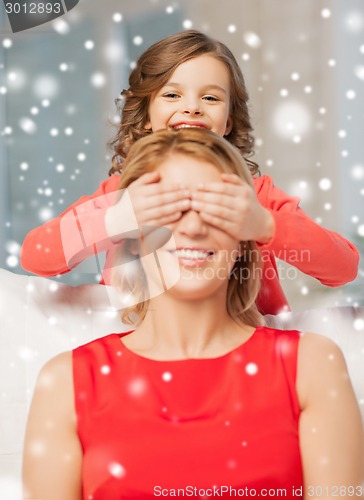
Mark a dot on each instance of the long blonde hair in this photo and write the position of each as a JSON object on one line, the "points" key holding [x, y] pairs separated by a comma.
{"points": [[144, 155], [154, 68]]}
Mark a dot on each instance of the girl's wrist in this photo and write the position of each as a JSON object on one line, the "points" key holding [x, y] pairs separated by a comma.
{"points": [[112, 223], [267, 228]]}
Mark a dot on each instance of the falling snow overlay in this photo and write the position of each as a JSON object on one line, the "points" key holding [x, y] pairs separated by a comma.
{"points": [[61, 125], [304, 67]]}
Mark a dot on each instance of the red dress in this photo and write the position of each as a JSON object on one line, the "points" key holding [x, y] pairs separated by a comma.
{"points": [[216, 427]]}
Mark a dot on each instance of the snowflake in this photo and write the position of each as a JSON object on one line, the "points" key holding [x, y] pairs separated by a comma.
{"points": [[251, 368], [167, 376]]}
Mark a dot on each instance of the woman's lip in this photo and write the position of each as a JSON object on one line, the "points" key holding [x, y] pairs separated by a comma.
{"points": [[192, 262]]}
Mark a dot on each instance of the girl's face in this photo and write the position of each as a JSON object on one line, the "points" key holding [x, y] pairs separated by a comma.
{"points": [[199, 257], [196, 95]]}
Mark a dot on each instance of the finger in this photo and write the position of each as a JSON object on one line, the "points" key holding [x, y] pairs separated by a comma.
{"points": [[147, 178], [154, 195], [223, 212], [218, 222], [162, 221], [221, 199], [161, 213], [152, 180], [156, 189], [162, 203], [217, 187]]}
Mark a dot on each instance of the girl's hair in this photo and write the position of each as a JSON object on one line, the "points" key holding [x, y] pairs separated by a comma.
{"points": [[155, 67], [144, 155]]}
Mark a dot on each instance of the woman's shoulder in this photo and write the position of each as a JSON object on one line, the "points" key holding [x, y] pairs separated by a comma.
{"points": [[106, 342], [310, 344], [321, 365], [278, 334], [56, 373], [61, 365], [53, 393], [319, 352]]}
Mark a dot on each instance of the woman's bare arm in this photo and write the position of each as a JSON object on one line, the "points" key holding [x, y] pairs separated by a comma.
{"points": [[331, 430], [52, 451]]}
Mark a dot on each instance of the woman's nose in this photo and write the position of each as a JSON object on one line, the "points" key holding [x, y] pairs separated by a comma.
{"points": [[191, 224]]}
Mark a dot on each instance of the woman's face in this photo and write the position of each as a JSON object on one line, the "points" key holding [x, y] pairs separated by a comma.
{"points": [[196, 95], [198, 258]]}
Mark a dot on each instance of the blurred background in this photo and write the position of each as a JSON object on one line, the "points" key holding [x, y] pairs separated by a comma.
{"points": [[304, 65]]}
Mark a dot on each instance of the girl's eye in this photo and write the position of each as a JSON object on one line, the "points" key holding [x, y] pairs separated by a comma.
{"points": [[171, 95], [211, 98]]}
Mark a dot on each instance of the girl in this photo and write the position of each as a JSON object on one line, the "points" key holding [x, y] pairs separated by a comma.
{"points": [[200, 400], [189, 79]]}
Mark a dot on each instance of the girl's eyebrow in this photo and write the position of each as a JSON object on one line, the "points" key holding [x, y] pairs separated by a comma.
{"points": [[204, 88]]}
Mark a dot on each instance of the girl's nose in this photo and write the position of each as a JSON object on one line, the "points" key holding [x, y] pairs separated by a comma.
{"points": [[191, 224], [192, 111], [191, 107]]}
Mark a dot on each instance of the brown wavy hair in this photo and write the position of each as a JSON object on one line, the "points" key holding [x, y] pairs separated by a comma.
{"points": [[144, 155], [154, 68]]}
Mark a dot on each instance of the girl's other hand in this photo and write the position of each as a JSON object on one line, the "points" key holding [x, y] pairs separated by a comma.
{"points": [[153, 204], [232, 206]]}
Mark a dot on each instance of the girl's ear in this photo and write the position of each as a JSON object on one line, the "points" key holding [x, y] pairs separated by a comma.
{"points": [[229, 126], [148, 126]]}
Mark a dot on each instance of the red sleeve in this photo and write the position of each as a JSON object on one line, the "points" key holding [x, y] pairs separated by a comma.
{"points": [[79, 232], [298, 240]]}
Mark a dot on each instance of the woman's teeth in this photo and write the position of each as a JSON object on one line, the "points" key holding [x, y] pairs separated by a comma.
{"points": [[191, 254]]}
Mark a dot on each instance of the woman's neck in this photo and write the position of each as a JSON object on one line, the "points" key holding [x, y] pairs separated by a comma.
{"points": [[176, 329]]}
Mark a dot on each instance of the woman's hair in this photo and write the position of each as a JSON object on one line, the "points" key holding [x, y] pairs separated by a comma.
{"points": [[144, 155], [155, 67]]}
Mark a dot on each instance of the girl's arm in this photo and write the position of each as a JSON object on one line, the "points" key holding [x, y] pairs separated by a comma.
{"points": [[274, 220], [52, 451], [60, 244], [331, 431], [95, 223], [298, 240]]}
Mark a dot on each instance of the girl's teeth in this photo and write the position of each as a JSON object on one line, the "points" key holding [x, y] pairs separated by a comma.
{"points": [[187, 126]]}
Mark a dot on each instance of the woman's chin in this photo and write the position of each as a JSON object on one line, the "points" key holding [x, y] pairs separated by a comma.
{"points": [[194, 288]]}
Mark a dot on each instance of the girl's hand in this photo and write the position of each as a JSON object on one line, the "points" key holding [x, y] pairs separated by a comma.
{"points": [[232, 206], [153, 204]]}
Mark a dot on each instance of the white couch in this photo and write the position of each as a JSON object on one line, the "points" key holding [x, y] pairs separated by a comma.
{"points": [[40, 318]]}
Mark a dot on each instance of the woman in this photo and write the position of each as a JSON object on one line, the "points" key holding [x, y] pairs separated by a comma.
{"points": [[200, 399]]}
